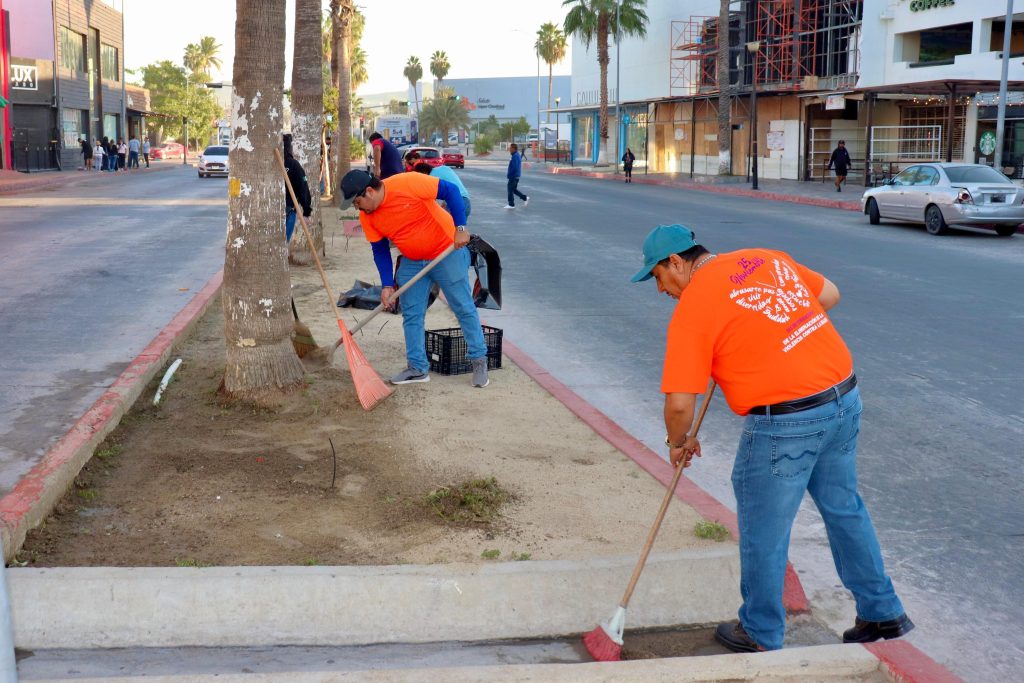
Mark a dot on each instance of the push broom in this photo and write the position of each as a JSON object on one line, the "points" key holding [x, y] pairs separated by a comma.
{"points": [[604, 643], [370, 388]]}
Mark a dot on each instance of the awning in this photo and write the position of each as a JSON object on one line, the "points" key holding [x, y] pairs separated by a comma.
{"points": [[140, 112]]}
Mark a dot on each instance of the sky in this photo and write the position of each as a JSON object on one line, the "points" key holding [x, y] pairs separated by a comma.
{"points": [[480, 43]]}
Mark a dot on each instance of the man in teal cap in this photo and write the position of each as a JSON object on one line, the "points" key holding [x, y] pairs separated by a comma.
{"points": [[755, 321]]}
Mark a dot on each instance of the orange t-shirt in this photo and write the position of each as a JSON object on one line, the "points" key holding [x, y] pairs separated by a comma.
{"points": [[410, 217], [751, 319]]}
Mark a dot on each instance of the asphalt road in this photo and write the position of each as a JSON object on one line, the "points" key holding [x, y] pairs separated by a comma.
{"points": [[90, 273], [935, 328]]}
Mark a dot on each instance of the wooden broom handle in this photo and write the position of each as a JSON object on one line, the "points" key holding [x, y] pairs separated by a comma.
{"points": [[305, 229], [664, 504]]}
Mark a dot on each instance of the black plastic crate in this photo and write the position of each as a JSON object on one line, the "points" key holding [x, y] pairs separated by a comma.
{"points": [[446, 350]]}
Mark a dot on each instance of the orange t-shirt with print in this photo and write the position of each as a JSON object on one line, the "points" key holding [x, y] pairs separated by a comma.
{"points": [[410, 217], [751, 320]]}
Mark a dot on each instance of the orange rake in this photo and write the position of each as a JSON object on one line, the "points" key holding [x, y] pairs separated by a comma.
{"points": [[370, 388]]}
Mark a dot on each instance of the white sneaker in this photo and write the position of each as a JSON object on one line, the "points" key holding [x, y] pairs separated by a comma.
{"points": [[526, 202], [509, 206]]}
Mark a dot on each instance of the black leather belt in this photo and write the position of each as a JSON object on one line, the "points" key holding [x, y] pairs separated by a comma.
{"points": [[808, 402]]}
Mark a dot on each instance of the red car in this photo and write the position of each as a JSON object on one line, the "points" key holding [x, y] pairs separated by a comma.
{"points": [[430, 155], [168, 150], [453, 157]]}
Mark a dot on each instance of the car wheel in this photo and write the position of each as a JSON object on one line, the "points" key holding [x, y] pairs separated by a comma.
{"points": [[934, 222], [873, 216], [1006, 230]]}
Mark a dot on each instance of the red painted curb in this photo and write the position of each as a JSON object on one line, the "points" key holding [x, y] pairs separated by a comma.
{"points": [[33, 496], [706, 505], [907, 664], [720, 189]]}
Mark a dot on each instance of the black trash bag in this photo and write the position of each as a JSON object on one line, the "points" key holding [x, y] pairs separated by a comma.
{"points": [[365, 296], [487, 264]]}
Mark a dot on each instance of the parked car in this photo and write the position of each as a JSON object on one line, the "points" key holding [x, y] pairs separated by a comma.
{"points": [[431, 155], [168, 150], [453, 157], [940, 195], [213, 161]]}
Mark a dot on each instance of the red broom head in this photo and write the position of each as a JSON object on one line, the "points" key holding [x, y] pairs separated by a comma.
{"points": [[601, 646], [370, 388]]}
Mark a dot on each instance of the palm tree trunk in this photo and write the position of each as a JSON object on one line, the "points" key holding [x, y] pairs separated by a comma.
{"points": [[551, 70], [335, 31], [307, 119], [343, 47], [724, 93], [261, 361], [335, 75], [603, 22]]}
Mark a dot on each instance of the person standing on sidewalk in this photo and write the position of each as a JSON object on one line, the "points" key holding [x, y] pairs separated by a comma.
{"points": [[133, 152], [297, 177], [627, 164], [122, 155], [515, 170], [387, 160], [98, 152], [754, 320], [145, 151], [86, 154], [840, 159], [403, 210]]}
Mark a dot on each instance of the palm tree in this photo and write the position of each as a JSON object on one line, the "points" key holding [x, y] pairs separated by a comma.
{"points": [[591, 20], [260, 361], [308, 118], [413, 72], [343, 46], [359, 73], [551, 46], [201, 57], [724, 92], [439, 67], [443, 114]]}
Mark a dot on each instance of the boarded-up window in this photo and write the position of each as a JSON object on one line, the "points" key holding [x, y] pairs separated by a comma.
{"points": [[108, 63], [72, 50]]}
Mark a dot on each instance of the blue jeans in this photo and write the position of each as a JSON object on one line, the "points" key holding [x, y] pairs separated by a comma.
{"points": [[513, 191], [780, 457], [133, 159], [452, 275], [289, 225]]}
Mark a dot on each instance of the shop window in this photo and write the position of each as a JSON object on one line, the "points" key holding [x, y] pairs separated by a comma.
{"points": [[72, 50], [108, 63], [110, 125], [933, 115], [73, 123], [935, 46], [583, 131]]}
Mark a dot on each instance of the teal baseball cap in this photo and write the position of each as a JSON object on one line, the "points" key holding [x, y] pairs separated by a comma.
{"points": [[661, 243]]}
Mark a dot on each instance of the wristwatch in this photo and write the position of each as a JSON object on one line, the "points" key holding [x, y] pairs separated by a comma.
{"points": [[672, 445], [460, 228]]}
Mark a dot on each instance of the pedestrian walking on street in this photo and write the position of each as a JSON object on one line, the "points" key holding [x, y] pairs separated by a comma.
{"points": [[86, 154], [755, 321], [403, 210], [122, 155], [133, 152], [145, 151], [297, 177], [387, 160], [515, 170], [840, 159], [627, 164], [98, 153]]}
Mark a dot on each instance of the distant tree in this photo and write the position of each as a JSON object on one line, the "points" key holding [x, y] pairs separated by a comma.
{"points": [[442, 114], [551, 46], [307, 119], [594, 20], [177, 96], [413, 72], [260, 360], [439, 67], [202, 56]]}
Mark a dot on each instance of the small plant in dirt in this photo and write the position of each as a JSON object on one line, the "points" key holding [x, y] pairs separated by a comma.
{"points": [[712, 531], [190, 562], [310, 562], [88, 494], [520, 557], [108, 452], [491, 554], [476, 501]]}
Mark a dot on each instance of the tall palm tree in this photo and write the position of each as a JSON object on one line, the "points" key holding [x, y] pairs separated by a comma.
{"points": [[443, 114], [551, 46], [594, 20], [724, 92], [413, 72], [343, 46], [260, 360], [202, 56], [439, 67], [359, 73], [308, 118]]}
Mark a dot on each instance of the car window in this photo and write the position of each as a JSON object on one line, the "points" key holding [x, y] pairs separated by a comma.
{"points": [[429, 154], [453, 151], [926, 175], [216, 151], [906, 177], [974, 174]]}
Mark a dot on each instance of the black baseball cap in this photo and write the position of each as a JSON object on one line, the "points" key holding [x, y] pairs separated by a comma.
{"points": [[354, 184]]}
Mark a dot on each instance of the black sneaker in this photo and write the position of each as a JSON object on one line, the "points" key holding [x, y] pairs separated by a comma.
{"points": [[870, 631], [734, 637]]}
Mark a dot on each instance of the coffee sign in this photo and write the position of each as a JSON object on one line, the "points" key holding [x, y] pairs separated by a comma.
{"points": [[24, 77], [921, 5]]}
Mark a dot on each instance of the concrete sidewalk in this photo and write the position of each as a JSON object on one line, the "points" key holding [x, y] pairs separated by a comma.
{"points": [[16, 182]]}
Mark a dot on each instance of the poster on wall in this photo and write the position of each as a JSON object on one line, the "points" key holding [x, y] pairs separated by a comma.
{"points": [[835, 102], [776, 140]]}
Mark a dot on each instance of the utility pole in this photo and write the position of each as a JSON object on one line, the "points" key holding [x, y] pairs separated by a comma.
{"points": [[1001, 116], [618, 91]]}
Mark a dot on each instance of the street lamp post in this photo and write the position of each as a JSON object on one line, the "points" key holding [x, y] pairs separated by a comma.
{"points": [[558, 150], [1001, 111], [752, 48]]}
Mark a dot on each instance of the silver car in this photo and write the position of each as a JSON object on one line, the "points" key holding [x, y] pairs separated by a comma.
{"points": [[214, 161], [941, 195]]}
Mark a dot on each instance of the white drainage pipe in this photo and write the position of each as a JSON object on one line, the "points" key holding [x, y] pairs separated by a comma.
{"points": [[167, 378]]}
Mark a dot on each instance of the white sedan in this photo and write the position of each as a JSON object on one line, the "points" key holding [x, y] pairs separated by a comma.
{"points": [[940, 195], [214, 161]]}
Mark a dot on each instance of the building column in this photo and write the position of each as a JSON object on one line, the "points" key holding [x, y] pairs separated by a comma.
{"points": [[970, 154], [950, 120], [869, 101]]}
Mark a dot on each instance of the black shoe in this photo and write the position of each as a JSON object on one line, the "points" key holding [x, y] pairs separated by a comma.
{"points": [[870, 631], [734, 637]]}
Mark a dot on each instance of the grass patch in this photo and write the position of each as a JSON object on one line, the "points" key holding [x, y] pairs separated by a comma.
{"points": [[520, 557], [109, 452], [190, 562], [712, 531], [310, 562], [88, 494], [491, 554], [476, 501]]}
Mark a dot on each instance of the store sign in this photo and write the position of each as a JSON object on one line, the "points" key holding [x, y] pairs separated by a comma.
{"points": [[835, 102], [922, 5], [24, 77], [987, 143]]}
